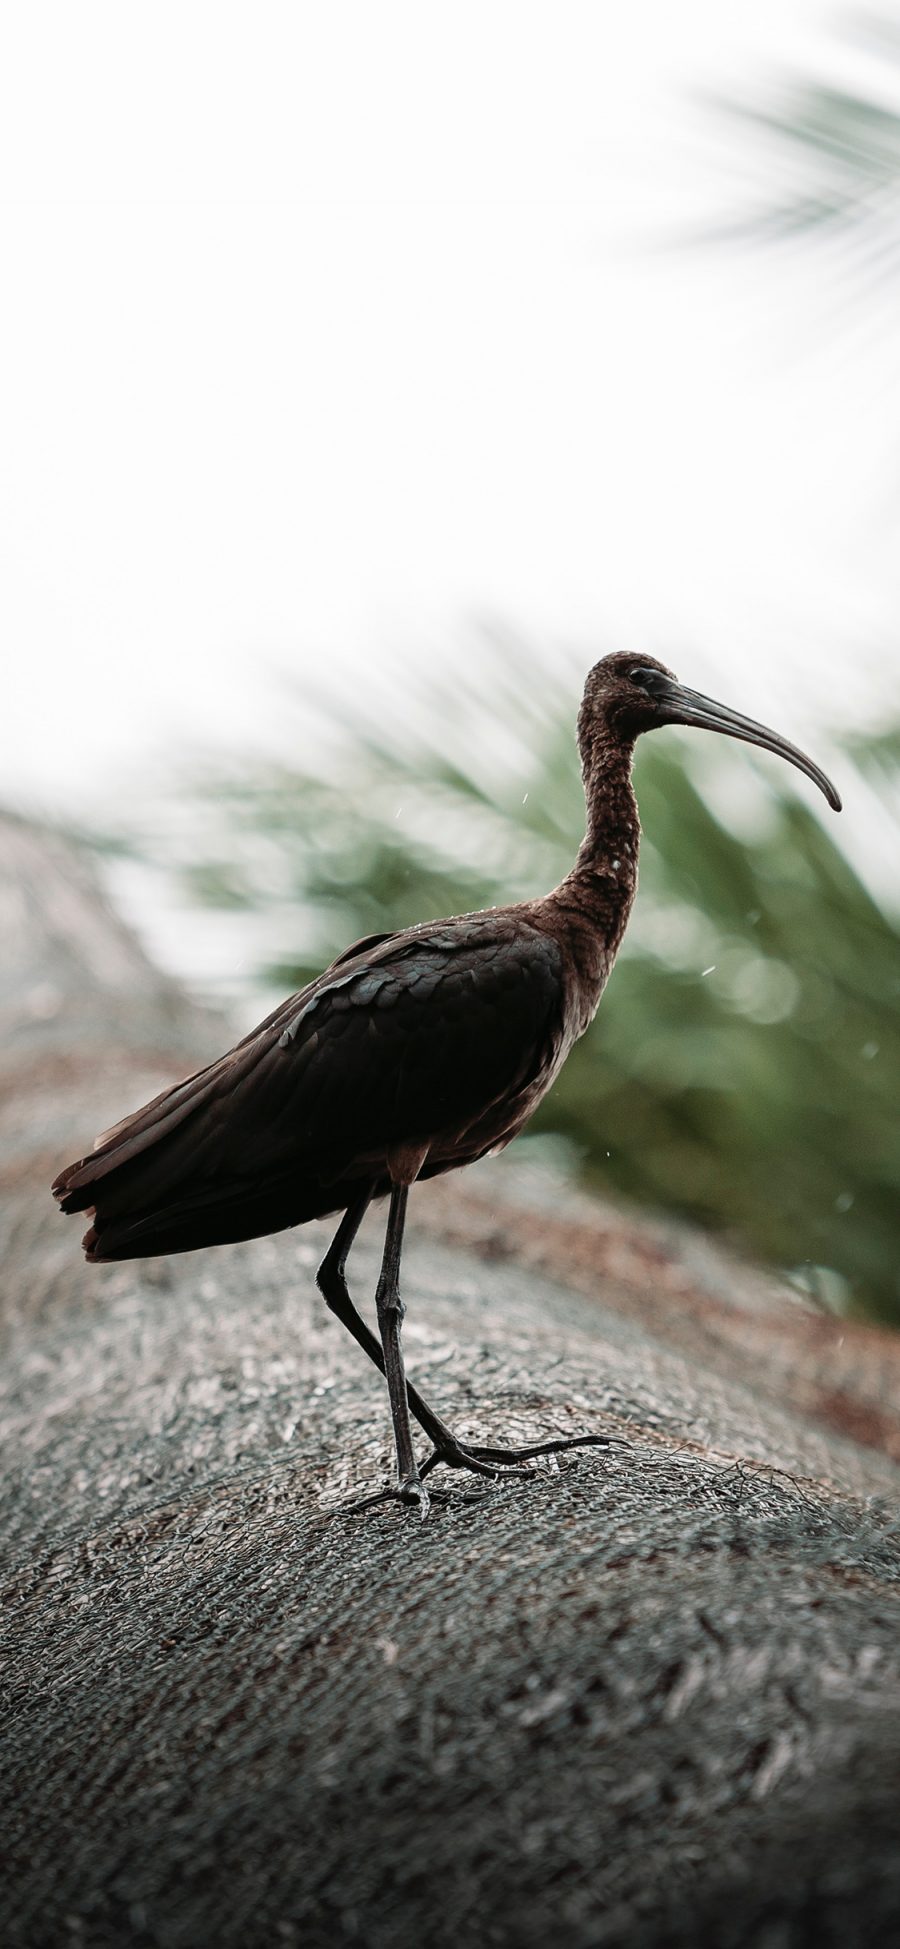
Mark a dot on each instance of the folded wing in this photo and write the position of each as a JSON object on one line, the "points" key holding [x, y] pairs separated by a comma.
{"points": [[406, 1039]]}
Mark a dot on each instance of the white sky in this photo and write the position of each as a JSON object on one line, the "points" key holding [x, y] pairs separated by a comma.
{"points": [[327, 327]]}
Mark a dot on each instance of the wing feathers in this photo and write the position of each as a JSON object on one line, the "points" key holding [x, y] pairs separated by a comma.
{"points": [[417, 1035]]}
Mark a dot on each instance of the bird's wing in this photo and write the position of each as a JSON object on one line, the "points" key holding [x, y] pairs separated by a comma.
{"points": [[424, 1038], [286, 1010], [178, 1100], [415, 1035]]}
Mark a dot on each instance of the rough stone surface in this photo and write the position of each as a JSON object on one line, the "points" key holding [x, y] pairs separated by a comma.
{"points": [[649, 1696]]}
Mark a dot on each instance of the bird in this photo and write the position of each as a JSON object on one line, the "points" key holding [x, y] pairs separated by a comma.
{"points": [[413, 1054]]}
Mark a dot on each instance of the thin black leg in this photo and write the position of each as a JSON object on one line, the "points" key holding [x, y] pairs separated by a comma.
{"points": [[490, 1461], [390, 1310], [332, 1284]]}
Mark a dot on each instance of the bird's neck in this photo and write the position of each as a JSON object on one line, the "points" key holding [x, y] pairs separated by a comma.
{"points": [[596, 896]]}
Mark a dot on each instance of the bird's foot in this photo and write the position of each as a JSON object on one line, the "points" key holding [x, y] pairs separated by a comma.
{"points": [[412, 1492], [497, 1462]]}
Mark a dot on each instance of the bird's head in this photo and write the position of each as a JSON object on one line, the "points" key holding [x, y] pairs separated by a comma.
{"points": [[625, 695]]}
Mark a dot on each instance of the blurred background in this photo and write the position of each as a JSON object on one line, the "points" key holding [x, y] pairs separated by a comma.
{"points": [[367, 373]]}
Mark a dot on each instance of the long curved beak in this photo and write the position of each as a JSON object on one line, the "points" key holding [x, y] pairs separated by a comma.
{"points": [[683, 706]]}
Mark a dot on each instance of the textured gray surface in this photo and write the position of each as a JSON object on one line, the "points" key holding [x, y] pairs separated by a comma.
{"points": [[650, 1696]]}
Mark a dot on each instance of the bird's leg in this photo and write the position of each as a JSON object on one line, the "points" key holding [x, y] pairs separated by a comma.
{"points": [[332, 1285], [447, 1448], [390, 1310]]}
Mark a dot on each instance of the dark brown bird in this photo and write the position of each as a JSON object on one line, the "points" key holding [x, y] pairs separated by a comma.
{"points": [[413, 1054]]}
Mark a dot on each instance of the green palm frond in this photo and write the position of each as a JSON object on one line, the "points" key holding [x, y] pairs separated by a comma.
{"points": [[834, 154]]}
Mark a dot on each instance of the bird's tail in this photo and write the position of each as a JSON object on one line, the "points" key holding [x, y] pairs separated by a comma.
{"points": [[216, 1214]]}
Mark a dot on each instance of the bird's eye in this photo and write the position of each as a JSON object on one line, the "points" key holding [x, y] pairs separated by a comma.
{"points": [[645, 679]]}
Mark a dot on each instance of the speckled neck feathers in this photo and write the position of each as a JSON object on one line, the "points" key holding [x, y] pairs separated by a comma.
{"points": [[595, 898]]}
